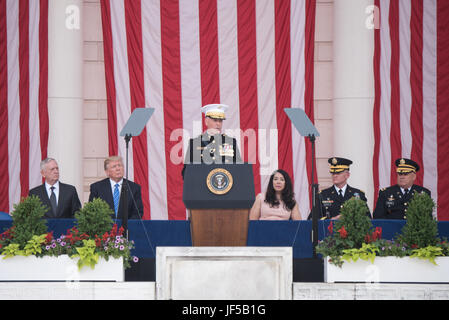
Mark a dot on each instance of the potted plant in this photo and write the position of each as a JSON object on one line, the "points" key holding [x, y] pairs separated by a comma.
{"points": [[356, 252], [95, 249]]}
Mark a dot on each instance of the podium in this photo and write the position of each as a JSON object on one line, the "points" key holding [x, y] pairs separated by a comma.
{"points": [[218, 198]]}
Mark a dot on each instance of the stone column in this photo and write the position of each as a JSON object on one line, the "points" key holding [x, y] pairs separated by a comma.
{"points": [[354, 90], [65, 90]]}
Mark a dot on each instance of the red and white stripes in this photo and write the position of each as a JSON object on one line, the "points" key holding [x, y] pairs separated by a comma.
{"points": [[177, 55], [23, 96], [409, 108], [442, 104]]}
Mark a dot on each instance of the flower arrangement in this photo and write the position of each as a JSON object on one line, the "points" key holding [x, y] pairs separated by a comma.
{"points": [[94, 235], [353, 236]]}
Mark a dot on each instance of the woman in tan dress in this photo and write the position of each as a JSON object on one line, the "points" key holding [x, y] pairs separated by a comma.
{"points": [[278, 203]]}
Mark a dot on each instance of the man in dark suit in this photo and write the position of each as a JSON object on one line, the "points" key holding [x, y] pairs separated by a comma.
{"points": [[60, 198], [393, 201], [333, 198], [111, 190], [212, 146]]}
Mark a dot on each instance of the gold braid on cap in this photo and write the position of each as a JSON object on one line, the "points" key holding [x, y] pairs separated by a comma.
{"points": [[216, 115], [339, 168], [405, 168]]}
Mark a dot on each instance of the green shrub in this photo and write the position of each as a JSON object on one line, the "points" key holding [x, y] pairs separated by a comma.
{"points": [[27, 220], [354, 218], [95, 218], [420, 230]]}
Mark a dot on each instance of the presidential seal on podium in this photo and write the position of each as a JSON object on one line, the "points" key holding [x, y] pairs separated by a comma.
{"points": [[219, 181]]}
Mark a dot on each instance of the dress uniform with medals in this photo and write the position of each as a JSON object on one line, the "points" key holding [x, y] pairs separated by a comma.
{"points": [[213, 149], [332, 199], [393, 201]]}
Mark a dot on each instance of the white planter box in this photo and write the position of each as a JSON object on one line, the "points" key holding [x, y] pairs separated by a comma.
{"points": [[62, 268], [389, 269]]}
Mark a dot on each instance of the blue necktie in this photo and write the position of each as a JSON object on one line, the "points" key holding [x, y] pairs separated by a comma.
{"points": [[116, 198]]}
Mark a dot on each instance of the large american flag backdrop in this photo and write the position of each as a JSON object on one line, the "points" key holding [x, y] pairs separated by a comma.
{"points": [[23, 96], [178, 55], [257, 57], [411, 109]]}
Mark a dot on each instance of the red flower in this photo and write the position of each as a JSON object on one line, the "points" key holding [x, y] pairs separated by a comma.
{"points": [[120, 231], [330, 228], [368, 238], [97, 241], [114, 231], [49, 237], [69, 237], [8, 234], [343, 232], [84, 236], [377, 233], [414, 246]]}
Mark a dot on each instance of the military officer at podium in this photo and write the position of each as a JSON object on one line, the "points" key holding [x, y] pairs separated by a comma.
{"points": [[332, 199], [212, 146], [393, 201]]}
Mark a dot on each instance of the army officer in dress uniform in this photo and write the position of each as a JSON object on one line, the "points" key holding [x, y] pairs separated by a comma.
{"points": [[212, 146], [332, 198], [393, 201]]}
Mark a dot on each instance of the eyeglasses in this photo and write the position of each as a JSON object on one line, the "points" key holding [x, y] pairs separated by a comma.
{"points": [[404, 173]]}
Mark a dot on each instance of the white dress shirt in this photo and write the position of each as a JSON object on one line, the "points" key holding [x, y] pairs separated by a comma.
{"points": [[56, 190], [113, 183], [403, 190], [343, 190]]}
